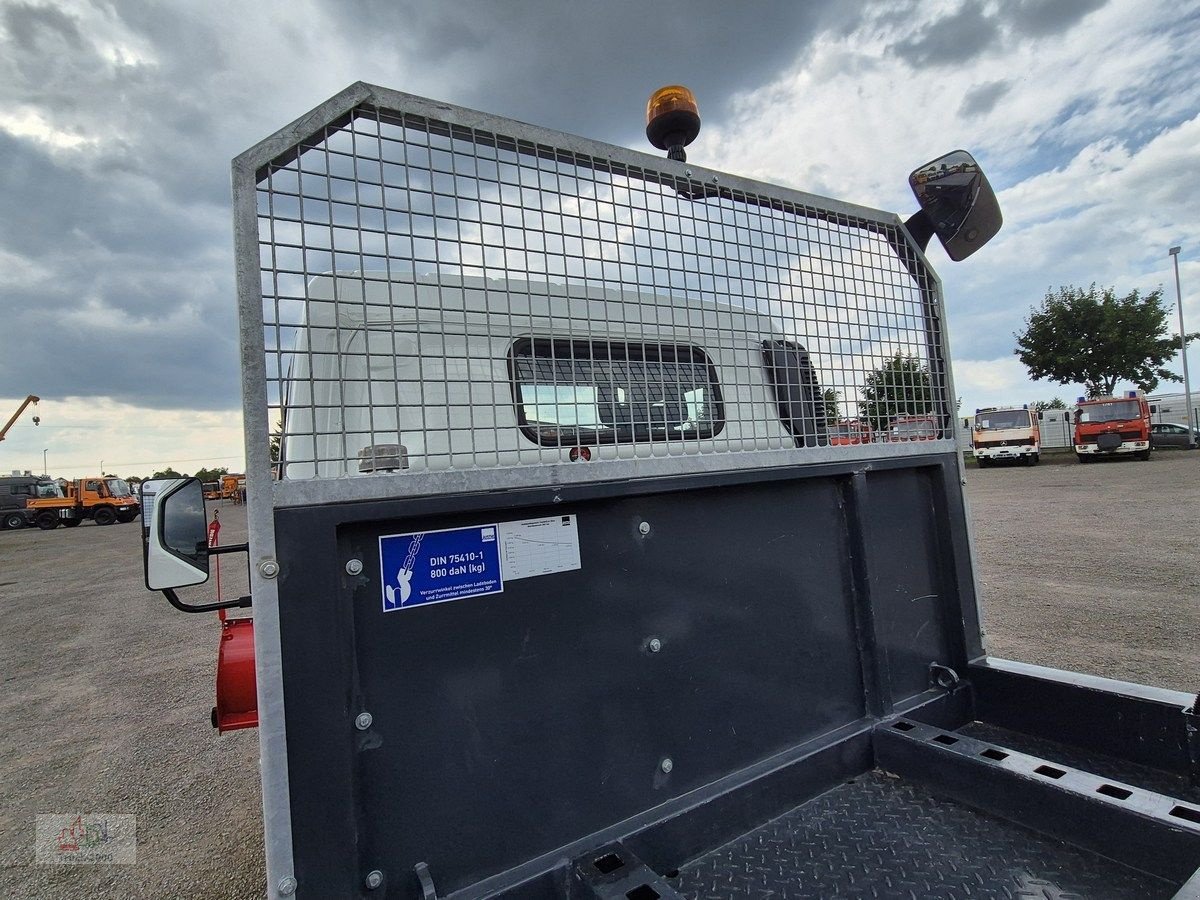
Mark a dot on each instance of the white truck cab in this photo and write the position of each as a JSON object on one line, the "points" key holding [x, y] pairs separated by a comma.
{"points": [[1006, 433]]}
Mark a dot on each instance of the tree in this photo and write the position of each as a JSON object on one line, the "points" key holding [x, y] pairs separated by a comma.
{"points": [[1095, 338], [212, 474], [830, 398], [900, 387], [1055, 403], [276, 441], [168, 472]]}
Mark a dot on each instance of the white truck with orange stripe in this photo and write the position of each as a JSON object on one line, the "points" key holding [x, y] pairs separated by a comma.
{"points": [[1006, 433]]}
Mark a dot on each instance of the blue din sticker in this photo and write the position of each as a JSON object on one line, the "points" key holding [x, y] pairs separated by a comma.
{"points": [[436, 566]]}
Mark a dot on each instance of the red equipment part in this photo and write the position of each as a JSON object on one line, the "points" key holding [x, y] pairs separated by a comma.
{"points": [[237, 697]]}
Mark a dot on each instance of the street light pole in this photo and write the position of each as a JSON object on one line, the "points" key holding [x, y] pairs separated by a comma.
{"points": [[1187, 385], [45, 468]]}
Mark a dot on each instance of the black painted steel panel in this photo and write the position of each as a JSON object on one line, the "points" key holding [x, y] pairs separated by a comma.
{"points": [[533, 717], [911, 586], [1106, 766], [508, 726]]}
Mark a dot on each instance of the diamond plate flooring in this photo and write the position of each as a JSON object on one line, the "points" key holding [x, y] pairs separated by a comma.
{"points": [[879, 836]]}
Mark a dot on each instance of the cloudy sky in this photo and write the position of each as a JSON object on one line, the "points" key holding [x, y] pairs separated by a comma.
{"points": [[118, 120]]}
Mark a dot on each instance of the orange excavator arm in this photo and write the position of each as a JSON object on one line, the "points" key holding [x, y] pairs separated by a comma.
{"points": [[17, 415]]}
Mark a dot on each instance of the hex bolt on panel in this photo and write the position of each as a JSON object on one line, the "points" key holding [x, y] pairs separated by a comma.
{"points": [[374, 879], [644, 528], [363, 721], [268, 568], [354, 567], [655, 645], [667, 765], [286, 886]]}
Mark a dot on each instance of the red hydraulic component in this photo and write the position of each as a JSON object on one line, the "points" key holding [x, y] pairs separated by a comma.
{"points": [[237, 697]]}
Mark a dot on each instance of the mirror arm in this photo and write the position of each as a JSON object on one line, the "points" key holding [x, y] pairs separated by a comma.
{"points": [[920, 227], [229, 548], [173, 599]]}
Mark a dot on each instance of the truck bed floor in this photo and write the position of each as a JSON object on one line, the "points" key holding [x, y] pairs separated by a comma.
{"points": [[879, 836]]}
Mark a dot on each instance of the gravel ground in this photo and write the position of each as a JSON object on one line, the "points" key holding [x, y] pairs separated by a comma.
{"points": [[105, 706], [107, 690], [1093, 567]]}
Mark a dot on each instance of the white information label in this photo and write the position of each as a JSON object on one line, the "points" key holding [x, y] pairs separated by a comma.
{"points": [[539, 546]]}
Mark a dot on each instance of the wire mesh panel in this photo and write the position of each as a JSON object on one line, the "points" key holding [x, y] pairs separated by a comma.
{"points": [[437, 296]]}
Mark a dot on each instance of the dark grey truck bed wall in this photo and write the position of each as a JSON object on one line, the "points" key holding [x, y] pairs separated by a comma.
{"points": [[506, 727]]}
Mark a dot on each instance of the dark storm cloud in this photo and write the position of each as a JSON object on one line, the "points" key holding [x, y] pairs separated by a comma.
{"points": [[975, 29], [123, 242], [588, 68], [41, 29], [1042, 18], [954, 39], [982, 98], [121, 282]]}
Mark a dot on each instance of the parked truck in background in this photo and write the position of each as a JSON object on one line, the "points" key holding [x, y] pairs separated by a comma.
{"points": [[617, 620], [105, 499], [912, 428], [851, 431], [1006, 433], [1112, 426], [233, 486], [17, 490]]}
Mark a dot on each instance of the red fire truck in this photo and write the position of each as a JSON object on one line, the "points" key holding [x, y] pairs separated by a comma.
{"points": [[1107, 426]]}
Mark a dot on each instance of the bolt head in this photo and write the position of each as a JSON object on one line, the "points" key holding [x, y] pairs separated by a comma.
{"points": [[363, 721], [268, 568], [644, 528], [374, 879], [286, 886], [655, 645], [667, 765], [354, 567]]}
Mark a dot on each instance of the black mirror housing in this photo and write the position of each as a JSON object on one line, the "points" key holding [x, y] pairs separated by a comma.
{"points": [[957, 204]]}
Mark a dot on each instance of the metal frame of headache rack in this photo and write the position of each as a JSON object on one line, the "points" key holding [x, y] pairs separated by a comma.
{"points": [[463, 325]]}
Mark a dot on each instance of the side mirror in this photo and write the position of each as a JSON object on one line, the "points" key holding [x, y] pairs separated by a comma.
{"points": [[175, 543], [957, 204]]}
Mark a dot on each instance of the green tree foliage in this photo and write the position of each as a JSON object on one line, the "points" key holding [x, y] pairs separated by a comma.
{"points": [[168, 473], [830, 397], [212, 474], [900, 387], [1095, 338], [276, 441], [1053, 403]]}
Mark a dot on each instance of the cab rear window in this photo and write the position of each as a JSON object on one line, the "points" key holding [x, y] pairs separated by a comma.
{"points": [[587, 392]]}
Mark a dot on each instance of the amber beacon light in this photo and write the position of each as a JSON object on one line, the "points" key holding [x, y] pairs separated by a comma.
{"points": [[672, 120]]}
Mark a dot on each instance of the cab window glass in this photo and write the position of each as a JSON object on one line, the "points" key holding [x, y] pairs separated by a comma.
{"points": [[571, 392]]}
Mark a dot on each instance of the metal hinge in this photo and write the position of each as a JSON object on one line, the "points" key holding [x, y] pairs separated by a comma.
{"points": [[943, 676], [428, 891]]}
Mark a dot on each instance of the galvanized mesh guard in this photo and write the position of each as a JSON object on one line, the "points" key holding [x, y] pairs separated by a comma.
{"points": [[437, 297]]}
